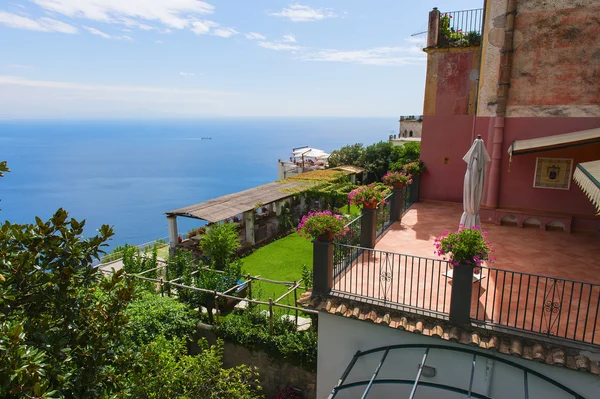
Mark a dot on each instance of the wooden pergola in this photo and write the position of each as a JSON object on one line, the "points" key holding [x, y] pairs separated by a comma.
{"points": [[244, 203]]}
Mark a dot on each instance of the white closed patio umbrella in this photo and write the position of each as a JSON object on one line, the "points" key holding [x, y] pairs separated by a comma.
{"points": [[476, 159]]}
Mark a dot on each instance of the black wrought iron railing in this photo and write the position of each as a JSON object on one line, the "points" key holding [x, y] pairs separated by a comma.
{"points": [[352, 237], [383, 215], [392, 279], [407, 198], [540, 304], [465, 20]]}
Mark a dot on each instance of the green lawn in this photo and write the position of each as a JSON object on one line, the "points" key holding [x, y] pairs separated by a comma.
{"points": [[281, 260]]}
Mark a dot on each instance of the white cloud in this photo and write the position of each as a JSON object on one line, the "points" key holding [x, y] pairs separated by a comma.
{"points": [[159, 42], [279, 46], [172, 13], [97, 32], [41, 24], [374, 56], [187, 74], [48, 84], [104, 35], [299, 13], [206, 27], [225, 32], [203, 27], [21, 66], [254, 36], [289, 38]]}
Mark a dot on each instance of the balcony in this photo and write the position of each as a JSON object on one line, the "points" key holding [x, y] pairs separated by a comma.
{"points": [[544, 282], [455, 28]]}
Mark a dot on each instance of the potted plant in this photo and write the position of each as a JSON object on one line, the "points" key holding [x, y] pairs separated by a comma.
{"points": [[235, 219], [369, 196], [322, 225], [465, 247], [397, 179], [414, 168]]}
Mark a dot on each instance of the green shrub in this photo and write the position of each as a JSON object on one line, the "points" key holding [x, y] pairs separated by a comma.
{"points": [[152, 315], [250, 329], [164, 370], [220, 244]]}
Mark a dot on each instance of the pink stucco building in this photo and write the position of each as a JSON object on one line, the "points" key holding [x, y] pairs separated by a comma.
{"points": [[535, 75]]}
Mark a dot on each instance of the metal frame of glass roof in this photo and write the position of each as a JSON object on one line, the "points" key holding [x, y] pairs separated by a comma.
{"points": [[340, 386]]}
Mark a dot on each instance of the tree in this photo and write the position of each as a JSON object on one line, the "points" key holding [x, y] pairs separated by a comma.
{"points": [[178, 375], [347, 155], [220, 244], [376, 160], [403, 154], [60, 319]]}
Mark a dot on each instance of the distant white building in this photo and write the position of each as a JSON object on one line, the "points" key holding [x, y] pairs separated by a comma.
{"points": [[410, 126]]}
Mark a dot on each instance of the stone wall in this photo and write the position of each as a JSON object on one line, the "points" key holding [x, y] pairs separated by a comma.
{"points": [[451, 81], [275, 375], [556, 61]]}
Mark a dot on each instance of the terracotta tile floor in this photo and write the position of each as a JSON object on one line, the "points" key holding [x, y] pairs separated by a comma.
{"points": [[527, 301]]}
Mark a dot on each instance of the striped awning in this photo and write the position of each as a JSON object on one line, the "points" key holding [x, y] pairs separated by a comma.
{"points": [[557, 141], [587, 177]]}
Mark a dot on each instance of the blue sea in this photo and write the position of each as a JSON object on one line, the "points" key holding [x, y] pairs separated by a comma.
{"points": [[127, 174]]}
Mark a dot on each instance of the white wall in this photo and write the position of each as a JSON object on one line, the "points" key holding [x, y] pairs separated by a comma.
{"points": [[340, 338]]}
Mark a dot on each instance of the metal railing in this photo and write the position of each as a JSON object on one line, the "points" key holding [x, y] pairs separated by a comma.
{"points": [[540, 304], [465, 21], [393, 280], [352, 237], [117, 255], [407, 199], [383, 215]]}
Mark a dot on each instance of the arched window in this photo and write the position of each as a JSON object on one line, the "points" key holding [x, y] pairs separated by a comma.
{"points": [[410, 134], [405, 133]]}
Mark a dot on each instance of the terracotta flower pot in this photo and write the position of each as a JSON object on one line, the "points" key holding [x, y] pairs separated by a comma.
{"points": [[370, 205], [398, 185], [326, 236]]}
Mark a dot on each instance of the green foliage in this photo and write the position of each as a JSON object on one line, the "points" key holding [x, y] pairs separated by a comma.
{"points": [[404, 154], [445, 25], [347, 155], [177, 264], [468, 246], [331, 194], [137, 261], [369, 195], [284, 220], [60, 319], [391, 178], [152, 315], [376, 159], [164, 370], [414, 168], [457, 38], [220, 244], [251, 329], [316, 224], [307, 277], [116, 253]]}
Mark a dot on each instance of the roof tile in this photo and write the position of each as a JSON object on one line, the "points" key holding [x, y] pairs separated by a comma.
{"points": [[504, 343]]}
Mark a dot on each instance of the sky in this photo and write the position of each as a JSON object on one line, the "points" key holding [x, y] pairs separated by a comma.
{"points": [[110, 59]]}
